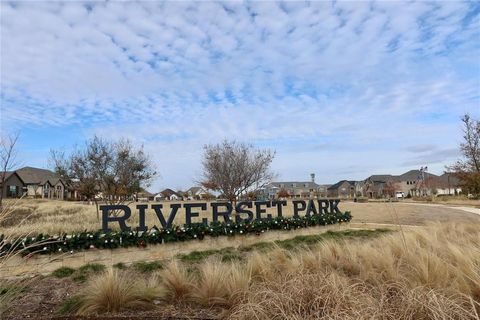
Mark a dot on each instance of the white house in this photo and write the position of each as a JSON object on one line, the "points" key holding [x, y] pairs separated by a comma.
{"points": [[196, 193]]}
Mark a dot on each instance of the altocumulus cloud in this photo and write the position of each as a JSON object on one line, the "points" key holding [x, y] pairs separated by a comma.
{"points": [[367, 80]]}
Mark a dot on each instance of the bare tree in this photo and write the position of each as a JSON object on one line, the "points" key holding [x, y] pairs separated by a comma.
{"points": [[467, 169], [110, 171], [8, 158], [235, 168], [389, 189]]}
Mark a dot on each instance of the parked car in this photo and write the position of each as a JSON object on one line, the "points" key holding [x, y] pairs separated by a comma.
{"points": [[399, 195]]}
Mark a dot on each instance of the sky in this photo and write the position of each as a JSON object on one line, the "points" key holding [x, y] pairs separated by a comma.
{"points": [[340, 89]]}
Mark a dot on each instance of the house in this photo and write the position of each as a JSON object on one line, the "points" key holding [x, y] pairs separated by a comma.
{"points": [[181, 194], [167, 194], [294, 189], [373, 186], [144, 196], [410, 183], [196, 193], [158, 197], [342, 189], [43, 183], [448, 184], [36, 183]]}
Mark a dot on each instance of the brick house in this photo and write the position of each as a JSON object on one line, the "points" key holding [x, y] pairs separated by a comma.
{"points": [[33, 182], [342, 189]]}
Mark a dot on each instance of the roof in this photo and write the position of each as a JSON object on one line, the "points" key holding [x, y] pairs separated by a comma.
{"points": [[8, 174], [450, 179], [298, 184], [144, 193], [414, 175], [194, 190], [30, 175], [339, 183], [168, 192], [381, 177]]}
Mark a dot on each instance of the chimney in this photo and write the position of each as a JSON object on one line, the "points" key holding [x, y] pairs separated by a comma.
{"points": [[312, 175]]}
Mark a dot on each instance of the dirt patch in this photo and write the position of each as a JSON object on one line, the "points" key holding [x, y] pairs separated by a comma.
{"points": [[43, 297]]}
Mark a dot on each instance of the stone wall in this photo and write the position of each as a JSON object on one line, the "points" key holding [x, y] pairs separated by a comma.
{"points": [[44, 264]]}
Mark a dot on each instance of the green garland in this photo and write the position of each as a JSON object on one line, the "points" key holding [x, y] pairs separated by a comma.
{"points": [[46, 244]]}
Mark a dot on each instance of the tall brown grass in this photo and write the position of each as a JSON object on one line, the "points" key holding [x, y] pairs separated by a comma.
{"points": [[114, 291], [11, 247], [427, 273]]}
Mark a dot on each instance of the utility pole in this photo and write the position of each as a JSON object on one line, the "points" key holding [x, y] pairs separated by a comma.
{"points": [[422, 171]]}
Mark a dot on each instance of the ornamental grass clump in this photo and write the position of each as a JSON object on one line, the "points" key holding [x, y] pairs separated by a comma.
{"points": [[211, 286], [176, 282], [114, 291]]}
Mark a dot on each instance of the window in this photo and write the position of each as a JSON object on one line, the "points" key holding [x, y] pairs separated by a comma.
{"points": [[12, 191]]}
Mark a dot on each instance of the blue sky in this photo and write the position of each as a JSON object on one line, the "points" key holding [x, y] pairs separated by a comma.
{"points": [[342, 89]]}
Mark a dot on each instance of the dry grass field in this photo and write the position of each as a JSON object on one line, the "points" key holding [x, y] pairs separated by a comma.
{"points": [[427, 272], [55, 217], [430, 272]]}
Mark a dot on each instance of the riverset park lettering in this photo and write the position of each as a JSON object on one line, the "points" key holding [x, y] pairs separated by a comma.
{"points": [[245, 211]]}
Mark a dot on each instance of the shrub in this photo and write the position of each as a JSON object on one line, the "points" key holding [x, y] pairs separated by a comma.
{"points": [[87, 270], [120, 266], [63, 272], [92, 267], [147, 267]]}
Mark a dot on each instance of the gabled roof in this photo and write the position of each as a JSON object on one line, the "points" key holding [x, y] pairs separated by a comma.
{"points": [[195, 190], [449, 179], [144, 193], [168, 192], [339, 183], [55, 181], [8, 174], [30, 175], [414, 175]]}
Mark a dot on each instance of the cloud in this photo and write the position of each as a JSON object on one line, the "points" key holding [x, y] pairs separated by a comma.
{"points": [[365, 77], [433, 157], [421, 148]]}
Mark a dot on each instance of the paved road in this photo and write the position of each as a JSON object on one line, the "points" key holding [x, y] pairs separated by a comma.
{"points": [[463, 208]]}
